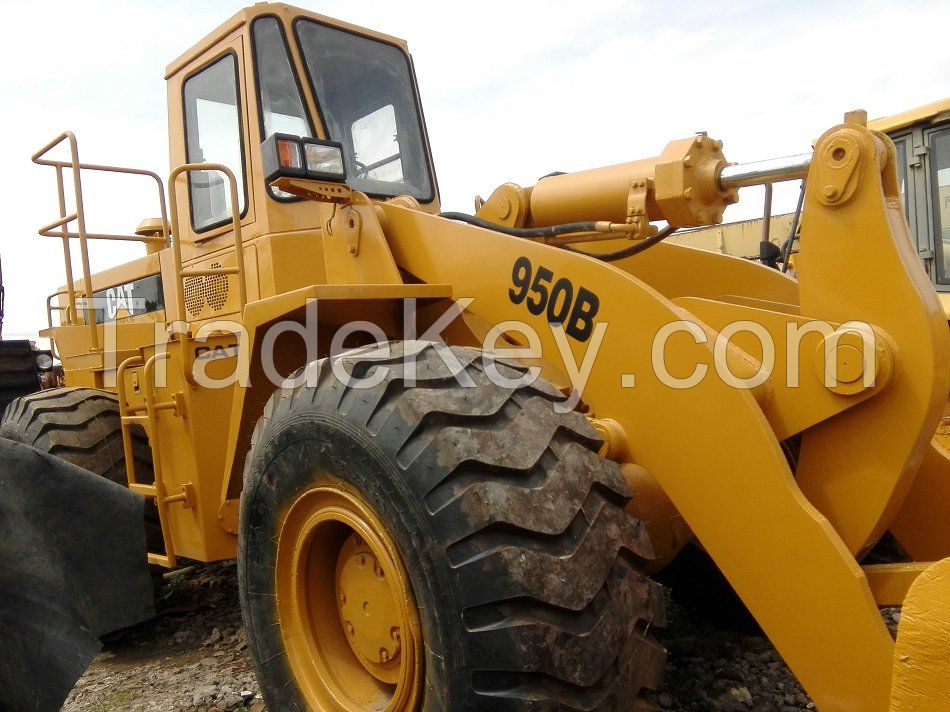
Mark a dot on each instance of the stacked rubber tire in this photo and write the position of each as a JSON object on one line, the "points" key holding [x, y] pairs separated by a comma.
{"points": [[82, 426]]}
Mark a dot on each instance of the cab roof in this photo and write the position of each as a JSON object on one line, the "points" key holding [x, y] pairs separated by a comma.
{"points": [[281, 10], [935, 111]]}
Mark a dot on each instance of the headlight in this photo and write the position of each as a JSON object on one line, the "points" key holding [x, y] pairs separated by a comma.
{"points": [[44, 360], [324, 159], [287, 156]]}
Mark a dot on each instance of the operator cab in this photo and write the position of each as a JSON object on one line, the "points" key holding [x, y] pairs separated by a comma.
{"points": [[309, 77]]}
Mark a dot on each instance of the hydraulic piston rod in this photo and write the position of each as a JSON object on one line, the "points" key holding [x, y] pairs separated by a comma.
{"points": [[773, 170]]}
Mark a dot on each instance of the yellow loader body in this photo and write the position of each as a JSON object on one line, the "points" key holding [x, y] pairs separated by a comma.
{"points": [[705, 375]]}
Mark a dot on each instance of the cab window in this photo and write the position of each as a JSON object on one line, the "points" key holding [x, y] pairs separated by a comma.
{"points": [[213, 135], [280, 106], [940, 186], [368, 103]]}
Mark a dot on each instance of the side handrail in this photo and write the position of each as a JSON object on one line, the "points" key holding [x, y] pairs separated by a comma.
{"points": [[125, 414], [50, 308], [59, 228], [182, 272], [147, 418]]}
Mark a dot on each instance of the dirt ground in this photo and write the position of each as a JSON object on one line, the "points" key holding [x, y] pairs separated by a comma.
{"points": [[193, 657]]}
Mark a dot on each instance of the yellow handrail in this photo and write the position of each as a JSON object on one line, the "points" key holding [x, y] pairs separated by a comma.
{"points": [[124, 413], [129, 416], [180, 272], [58, 228], [151, 411], [49, 318]]}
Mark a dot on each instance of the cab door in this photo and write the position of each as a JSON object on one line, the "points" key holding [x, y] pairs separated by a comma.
{"points": [[215, 125], [208, 123]]}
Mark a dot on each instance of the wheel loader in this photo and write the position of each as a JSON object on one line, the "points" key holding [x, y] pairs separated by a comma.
{"points": [[449, 450]]}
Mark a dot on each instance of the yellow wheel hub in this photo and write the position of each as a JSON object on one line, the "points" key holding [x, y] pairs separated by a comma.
{"points": [[347, 615], [368, 610]]}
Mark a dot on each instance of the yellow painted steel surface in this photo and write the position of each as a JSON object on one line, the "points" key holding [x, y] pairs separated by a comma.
{"points": [[890, 582], [859, 486], [912, 116], [922, 654], [921, 526], [784, 558]]}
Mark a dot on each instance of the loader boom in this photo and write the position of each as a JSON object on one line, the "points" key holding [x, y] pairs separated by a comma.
{"points": [[789, 560]]}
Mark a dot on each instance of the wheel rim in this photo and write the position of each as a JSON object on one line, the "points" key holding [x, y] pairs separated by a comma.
{"points": [[347, 615]]}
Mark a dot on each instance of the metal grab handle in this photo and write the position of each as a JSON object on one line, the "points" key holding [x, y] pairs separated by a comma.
{"points": [[180, 272], [58, 228], [128, 417], [50, 308]]}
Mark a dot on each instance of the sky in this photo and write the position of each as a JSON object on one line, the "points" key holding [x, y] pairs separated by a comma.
{"points": [[511, 91]]}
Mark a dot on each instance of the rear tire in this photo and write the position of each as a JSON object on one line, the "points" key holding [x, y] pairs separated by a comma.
{"points": [[82, 426], [524, 568]]}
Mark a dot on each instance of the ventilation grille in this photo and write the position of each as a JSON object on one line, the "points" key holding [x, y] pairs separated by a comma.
{"points": [[209, 291]]}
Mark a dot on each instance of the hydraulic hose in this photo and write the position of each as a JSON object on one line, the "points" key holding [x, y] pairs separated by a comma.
{"points": [[627, 251], [564, 229], [552, 231], [787, 245]]}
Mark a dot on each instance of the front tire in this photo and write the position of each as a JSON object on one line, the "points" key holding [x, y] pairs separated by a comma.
{"points": [[514, 572]]}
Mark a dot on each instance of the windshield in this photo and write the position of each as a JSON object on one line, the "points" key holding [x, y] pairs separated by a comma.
{"points": [[367, 102]]}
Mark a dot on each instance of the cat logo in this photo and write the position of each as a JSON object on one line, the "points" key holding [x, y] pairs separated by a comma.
{"points": [[119, 302], [208, 353]]}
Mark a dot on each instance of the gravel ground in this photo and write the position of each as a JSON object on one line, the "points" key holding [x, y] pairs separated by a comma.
{"points": [[193, 657]]}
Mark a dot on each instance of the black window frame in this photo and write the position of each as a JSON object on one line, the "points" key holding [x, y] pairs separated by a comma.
{"points": [[904, 140], [257, 96], [240, 116], [433, 189], [941, 280]]}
